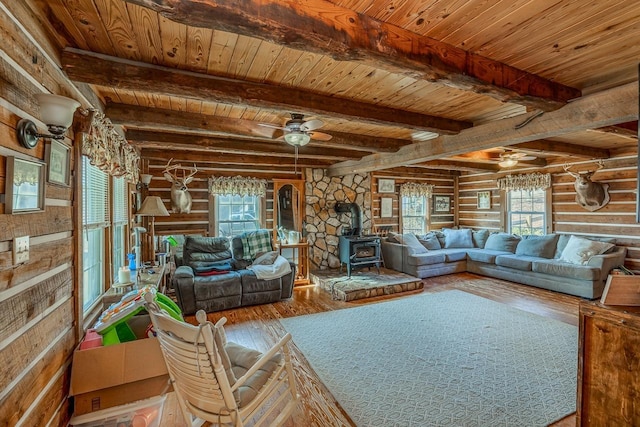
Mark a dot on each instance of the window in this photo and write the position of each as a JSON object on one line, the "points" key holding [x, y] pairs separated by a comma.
{"points": [[119, 225], [95, 220], [527, 212], [237, 214], [414, 215]]}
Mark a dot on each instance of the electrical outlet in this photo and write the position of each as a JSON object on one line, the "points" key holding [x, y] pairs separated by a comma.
{"points": [[21, 249]]}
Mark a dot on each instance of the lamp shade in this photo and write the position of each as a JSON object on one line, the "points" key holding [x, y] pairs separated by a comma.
{"points": [[145, 178], [56, 111], [297, 138], [152, 206]]}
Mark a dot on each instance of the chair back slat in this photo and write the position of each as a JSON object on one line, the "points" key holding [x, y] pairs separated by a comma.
{"points": [[194, 366]]}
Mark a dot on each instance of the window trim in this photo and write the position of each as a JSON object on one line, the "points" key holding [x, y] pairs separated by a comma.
{"points": [[425, 216], [547, 215]]}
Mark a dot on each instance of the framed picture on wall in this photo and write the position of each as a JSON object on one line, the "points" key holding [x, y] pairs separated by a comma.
{"points": [[484, 200], [58, 159], [386, 207], [24, 186], [441, 204], [386, 185]]}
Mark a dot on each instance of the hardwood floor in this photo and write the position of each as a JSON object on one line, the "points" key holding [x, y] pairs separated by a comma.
{"points": [[258, 327]]}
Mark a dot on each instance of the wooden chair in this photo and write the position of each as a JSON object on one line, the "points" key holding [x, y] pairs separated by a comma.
{"points": [[223, 382]]}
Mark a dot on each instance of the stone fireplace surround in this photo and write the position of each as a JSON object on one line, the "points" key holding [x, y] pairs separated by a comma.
{"points": [[323, 225]]}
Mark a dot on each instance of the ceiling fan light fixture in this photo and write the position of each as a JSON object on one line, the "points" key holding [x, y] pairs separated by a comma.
{"points": [[297, 138], [507, 163]]}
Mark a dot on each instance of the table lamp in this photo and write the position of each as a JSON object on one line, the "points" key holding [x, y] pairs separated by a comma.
{"points": [[153, 207]]}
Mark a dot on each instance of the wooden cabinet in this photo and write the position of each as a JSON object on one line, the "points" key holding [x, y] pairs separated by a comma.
{"points": [[609, 366]]}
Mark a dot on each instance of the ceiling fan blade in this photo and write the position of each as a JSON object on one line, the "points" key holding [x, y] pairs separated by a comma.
{"points": [[311, 125], [268, 125], [524, 158], [320, 136]]}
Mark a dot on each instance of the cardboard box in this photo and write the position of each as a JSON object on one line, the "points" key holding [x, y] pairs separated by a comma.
{"points": [[105, 377]]}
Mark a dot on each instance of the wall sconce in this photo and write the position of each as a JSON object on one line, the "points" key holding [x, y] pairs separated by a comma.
{"points": [[56, 112], [145, 180]]}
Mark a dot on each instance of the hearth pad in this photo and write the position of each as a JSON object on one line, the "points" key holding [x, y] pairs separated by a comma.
{"points": [[364, 283]]}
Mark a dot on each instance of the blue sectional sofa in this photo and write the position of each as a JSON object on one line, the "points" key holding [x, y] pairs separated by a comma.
{"points": [[565, 263]]}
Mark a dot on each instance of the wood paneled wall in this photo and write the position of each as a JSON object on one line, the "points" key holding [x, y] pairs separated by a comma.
{"points": [[443, 184], [617, 219], [199, 220], [38, 307]]}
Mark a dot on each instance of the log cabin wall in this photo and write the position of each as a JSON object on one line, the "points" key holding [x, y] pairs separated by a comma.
{"points": [[38, 320], [617, 219], [200, 219], [443, 185]]}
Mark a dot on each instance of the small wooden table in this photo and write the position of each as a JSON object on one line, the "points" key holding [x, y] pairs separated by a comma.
{"points": [[301, 258]]}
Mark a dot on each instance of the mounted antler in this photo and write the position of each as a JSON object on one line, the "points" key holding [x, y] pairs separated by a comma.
{"points": [[590, 195], [180, 197]]}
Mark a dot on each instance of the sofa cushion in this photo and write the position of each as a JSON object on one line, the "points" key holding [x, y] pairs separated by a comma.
{"points": [[426, 258], [479, 238], [206, 251], [519, 262], [266, 258], [430, 241], [502, 242], [457, 238], [580, 250], [484, 255], [565, 269], [453, 255], [537, 246], [413, 245], [563, 239]]}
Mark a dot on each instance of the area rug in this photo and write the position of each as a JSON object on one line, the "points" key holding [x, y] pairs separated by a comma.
{"points": [[364, 283], [442, 359]]}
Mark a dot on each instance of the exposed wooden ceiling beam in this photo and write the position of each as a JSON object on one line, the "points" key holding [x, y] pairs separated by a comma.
{"points": [[323, 27], [215, 146], [606, 108], [458, 166], [186, 122], [562, 149], [414, 172], [98, 69], [229, 158], [620, 131]]}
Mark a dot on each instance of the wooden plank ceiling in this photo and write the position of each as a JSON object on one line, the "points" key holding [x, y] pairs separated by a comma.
{"points": [[193, 79]]}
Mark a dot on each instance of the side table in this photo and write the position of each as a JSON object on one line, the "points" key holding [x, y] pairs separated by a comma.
{"points": [[115, 293], [300, 255]]}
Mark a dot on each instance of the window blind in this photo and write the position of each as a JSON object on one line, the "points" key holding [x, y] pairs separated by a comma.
{"points": [[95, 188], [120, 200]]}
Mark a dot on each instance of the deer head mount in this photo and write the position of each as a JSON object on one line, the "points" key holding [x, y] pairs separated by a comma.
{"points": [[180, 197], [590, 195]]}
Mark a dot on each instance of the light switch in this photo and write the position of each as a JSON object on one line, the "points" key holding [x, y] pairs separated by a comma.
{"points": [[21, 249]]}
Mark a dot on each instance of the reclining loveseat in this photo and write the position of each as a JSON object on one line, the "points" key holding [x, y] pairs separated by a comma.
{"points": [[214, 276]]}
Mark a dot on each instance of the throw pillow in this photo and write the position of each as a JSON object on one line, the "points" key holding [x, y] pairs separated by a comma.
{"points": [[502, 242], [430, 241], [457, 238], [537, 246], [479, 238], [580, 250], [267, 258], [414, 246], [393, 237]]}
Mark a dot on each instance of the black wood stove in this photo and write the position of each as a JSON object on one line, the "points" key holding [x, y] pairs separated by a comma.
{"points": [[360, 251], [357, 250]]}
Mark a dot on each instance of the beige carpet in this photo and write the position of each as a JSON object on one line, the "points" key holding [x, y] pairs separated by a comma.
{"points": [[364, 283]]}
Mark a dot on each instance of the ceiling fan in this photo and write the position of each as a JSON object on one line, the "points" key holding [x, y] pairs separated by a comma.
{"points": [[298, 131], [509, 159]]}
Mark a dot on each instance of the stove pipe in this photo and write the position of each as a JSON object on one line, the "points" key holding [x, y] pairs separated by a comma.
{"points": [[356, 217]]}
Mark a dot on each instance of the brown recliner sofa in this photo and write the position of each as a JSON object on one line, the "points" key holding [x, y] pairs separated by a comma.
{"points": [[229, 287]]}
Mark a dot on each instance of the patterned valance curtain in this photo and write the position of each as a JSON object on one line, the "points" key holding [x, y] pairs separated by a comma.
{"points": [[237, 185], [108, 150], [414, 189], [530, 181]]}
